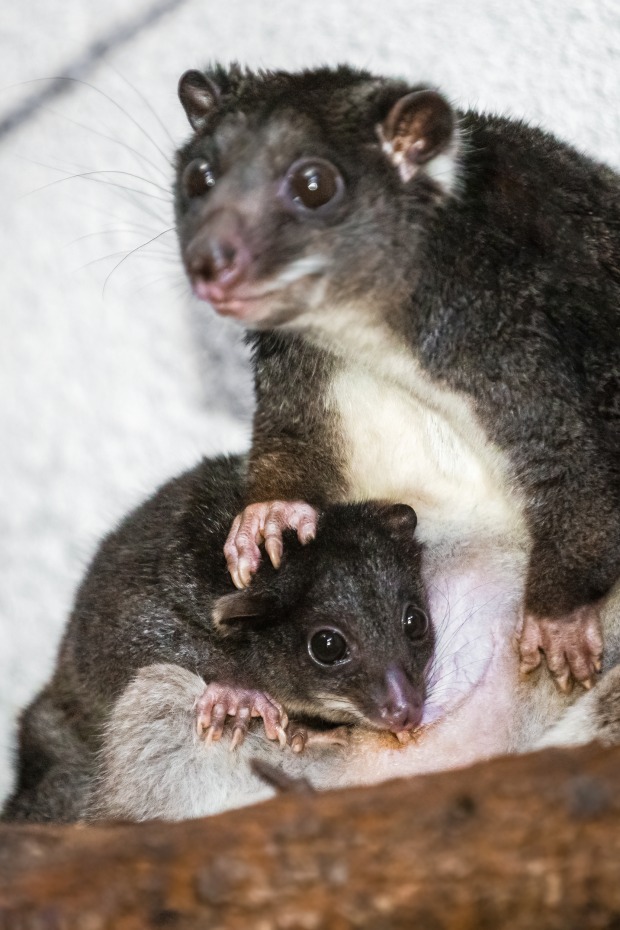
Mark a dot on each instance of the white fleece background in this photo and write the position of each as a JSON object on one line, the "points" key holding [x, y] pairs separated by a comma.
{"points": [[104, 395]]}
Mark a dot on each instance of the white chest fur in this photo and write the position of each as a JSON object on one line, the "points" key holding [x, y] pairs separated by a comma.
{"points": [[408, 440]]}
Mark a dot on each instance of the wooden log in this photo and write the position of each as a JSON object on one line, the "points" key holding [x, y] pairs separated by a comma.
{"points": [[516, 843]]}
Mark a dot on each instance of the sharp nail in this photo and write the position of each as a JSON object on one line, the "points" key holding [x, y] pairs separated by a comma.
{"points": [[236, 580], [307, 536], [275, 553], [209, 737], [564, 683], [237, 738], [245, 575], [281, 737], [587, 683]]}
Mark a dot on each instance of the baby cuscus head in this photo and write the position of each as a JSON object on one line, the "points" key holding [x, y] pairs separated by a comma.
{"points": [[340, 633]]}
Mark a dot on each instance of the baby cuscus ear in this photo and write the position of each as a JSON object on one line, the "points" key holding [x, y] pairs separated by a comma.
{"points": [[399, 519], [247, 609], [419, 127]]}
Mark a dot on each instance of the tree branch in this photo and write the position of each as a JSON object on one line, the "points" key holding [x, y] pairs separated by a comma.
{"points": [[517, 842]]}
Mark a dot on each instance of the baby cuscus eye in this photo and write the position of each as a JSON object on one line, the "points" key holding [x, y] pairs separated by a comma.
{"points": [[328, 647], [415, 622]]}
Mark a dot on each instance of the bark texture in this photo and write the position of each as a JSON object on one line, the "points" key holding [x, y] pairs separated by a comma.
{"points": [[514, 843]]}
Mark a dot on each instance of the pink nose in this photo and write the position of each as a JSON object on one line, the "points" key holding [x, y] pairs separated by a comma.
{"points": [[215, 266], [403, 705]]}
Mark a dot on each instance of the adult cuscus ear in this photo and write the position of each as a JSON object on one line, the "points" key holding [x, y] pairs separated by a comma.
{"points": [[199, 97], [231, 611], [420, 127]]}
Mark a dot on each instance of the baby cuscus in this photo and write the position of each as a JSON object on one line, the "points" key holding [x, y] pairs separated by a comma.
{"points": [[338, 636]]}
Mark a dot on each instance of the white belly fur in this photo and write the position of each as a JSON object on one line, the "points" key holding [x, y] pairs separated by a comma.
{"points": [[469, 712], [408, 440], [405, 439]]}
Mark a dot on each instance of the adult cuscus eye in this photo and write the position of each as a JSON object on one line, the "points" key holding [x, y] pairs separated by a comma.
{"points": [[313, 184], [198, 177], [415, 622], [328, 647]]}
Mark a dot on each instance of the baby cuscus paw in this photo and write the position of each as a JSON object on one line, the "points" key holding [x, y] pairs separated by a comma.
{"points": [[301, 737], [226, 706], [572, 646]]}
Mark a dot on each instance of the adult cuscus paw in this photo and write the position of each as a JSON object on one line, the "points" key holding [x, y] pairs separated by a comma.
{"points": [[265, 523], [572, 646]]}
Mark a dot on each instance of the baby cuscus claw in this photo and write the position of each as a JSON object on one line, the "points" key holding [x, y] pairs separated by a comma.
{"points": [[219, 702]]}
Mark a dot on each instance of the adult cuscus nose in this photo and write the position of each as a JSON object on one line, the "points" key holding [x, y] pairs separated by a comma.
{"points": [[217, 264]]}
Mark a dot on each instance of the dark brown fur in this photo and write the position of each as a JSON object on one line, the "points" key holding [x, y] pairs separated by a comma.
{"points": [[149, 598], [507, 294]]}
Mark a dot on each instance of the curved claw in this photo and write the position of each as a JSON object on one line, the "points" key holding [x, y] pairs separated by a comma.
{"points": [[572, 645], [265, 523], [220, 702], [301, 736]]}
